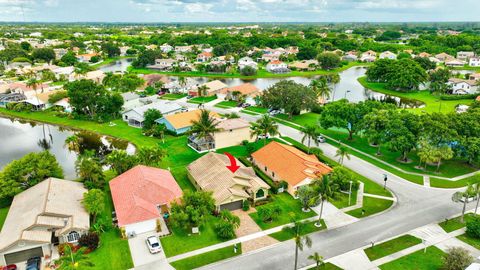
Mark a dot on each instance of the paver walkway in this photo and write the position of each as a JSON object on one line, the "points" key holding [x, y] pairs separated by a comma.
{"points": [[248, 226]]}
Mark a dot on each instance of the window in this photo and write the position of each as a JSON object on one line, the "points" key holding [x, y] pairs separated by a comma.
{"points": [[266, 169], [260, 193], [73, 236], [273, 174]]}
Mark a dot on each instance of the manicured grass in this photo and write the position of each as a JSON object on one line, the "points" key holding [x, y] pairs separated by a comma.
{"points": [[226, 104], [341, 199], [289, 207], [171, 96], [201, 100], [391, 246], [454, 223], [441, 183], [113, 253], [207, 258], [3, 215], [287, 233], [327, 266], [371, 206], [255, 109], [248, 112], [432, 102], [474, 242], [181, 241], [430, 260]]}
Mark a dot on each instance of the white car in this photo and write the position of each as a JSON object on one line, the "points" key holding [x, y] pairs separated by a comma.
{"points": [[321, 139], [153, 244]]}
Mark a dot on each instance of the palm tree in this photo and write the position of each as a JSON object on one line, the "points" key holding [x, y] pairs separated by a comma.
{"points": [[317, 259], [202, 90], [182, 81], [342, 153], [460, 196], [150, 156], [309, 133], [476, 191], [34, 83], [205, 126], [72, 260], [326, 190], [73, 143], [263, 127], [321, 88], [300, 240]]}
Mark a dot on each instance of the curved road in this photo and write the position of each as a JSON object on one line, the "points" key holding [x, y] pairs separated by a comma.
{"points": [[416, 206]]}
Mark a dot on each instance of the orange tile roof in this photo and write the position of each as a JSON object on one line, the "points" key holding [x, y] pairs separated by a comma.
{"points": [[182, 120], [276, 62], [245, 89], [289, 163], [478, 98], [137, 193]]}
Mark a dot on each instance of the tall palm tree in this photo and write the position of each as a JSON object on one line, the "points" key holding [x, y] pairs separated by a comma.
{"points": [[182, 81], [300, 240], [73, 260], [342, 153], [73, 143], [309, 133], [202, 90], [460, 196], [317, 259], [326, 190], [321, 88], [205, 126], [476, 192], [263, 127], [150, 156], [34, 83]]}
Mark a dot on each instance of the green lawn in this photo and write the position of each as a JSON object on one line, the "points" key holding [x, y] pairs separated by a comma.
{"points": [[181, 241], [3, 215], [341, 199], [432, 102], [255, 109], [441, 183], [289, 207], [431, 260], [201, 100], [171, 96], [327, 266], [391, 246], [454, 223], [371, 206], [474, 242], [207, 258], [287, 233], [226, 104]]}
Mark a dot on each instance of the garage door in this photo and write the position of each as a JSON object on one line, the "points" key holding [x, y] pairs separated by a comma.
{"points": [[232, 206], [21, 256]]}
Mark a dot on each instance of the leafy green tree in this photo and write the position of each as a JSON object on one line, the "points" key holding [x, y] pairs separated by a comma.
{"points": [[290, 96], [150, 156], [69, 59], [110, 49], [329, 60], [94, 202], [24, 45], [248, 71], [120, 161], [28, 171], [45, 54], [309, 133], [73, 260], [341, 178], [225, 228], [425, 63], [463, 196], [193, 210], [264, 126], [307, 197], [407, 75], [269, 213], [149, 117], [146, 57], [443, 152], [457, 258], [90, 170], [317, 259], [375, 127]]}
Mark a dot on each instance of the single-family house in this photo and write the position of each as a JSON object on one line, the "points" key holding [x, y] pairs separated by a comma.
{"points": [[247, 61], [6, 98], [368, 56], [286, 163], [424, 55], [277, 66], [350, 56], [141, 196], [47, 214], [180, 123], [455, 63], [304, 65], [270, 57], [229, 189], [87, 57], [444, 57], [248, 90], [465, 56], [204, 57], [134, 117], [163, 64], [60, 52], [388, 55], [183, 49], [96, 76], [463, 87], [212, 88], [166, 48], [474, 76], [474, 62], [18, 66]]}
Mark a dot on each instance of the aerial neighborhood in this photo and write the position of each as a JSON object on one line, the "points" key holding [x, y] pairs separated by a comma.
{"points": [[239, 146]]}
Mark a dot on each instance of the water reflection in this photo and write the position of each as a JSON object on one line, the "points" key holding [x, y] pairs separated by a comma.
{"points": [[19, 137]]}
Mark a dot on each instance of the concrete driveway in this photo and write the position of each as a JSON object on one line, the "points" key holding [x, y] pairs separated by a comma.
{"points": [[141, 256]]}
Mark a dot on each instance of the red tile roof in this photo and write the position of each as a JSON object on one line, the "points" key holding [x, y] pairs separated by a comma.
{"points": [[137, 193]]}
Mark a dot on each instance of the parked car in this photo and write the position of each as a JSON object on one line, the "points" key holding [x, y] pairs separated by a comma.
{"points": [[153, 244], [274, 112], [321, 139], [189, 97], [10, 267], [33, 263], [261, 136], [246, 105]]}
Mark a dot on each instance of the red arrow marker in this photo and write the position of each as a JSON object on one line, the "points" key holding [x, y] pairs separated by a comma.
{"points": [[233, 163]]}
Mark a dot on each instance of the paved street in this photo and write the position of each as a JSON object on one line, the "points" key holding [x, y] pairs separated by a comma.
{"points": [[416, 206]]}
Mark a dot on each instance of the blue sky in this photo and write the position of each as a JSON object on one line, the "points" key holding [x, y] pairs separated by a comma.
{"points": [[239, 10]]}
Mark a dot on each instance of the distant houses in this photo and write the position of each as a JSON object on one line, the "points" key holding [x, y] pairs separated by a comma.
{"points": [[277, 66], [211, 88], [135, 116], [463, 87], [181, 123]]}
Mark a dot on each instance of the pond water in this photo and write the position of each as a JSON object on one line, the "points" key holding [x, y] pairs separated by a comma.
{"points": [[18, 138], [348, 87], [120, 65]]}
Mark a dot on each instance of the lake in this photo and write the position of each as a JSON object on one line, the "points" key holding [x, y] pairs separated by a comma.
{"points": [[120, 65], [18, 138]]}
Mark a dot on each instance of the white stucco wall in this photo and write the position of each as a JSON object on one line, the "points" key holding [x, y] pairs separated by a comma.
{"points": [[141, 227]]}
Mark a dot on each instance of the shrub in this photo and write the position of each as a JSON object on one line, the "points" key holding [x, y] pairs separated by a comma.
{"points": [[248, 71], [57, 96], [246, 205], [456, 258], [225, 230], [473, 227], [269, 214], [458, 97], [89, 240]]}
